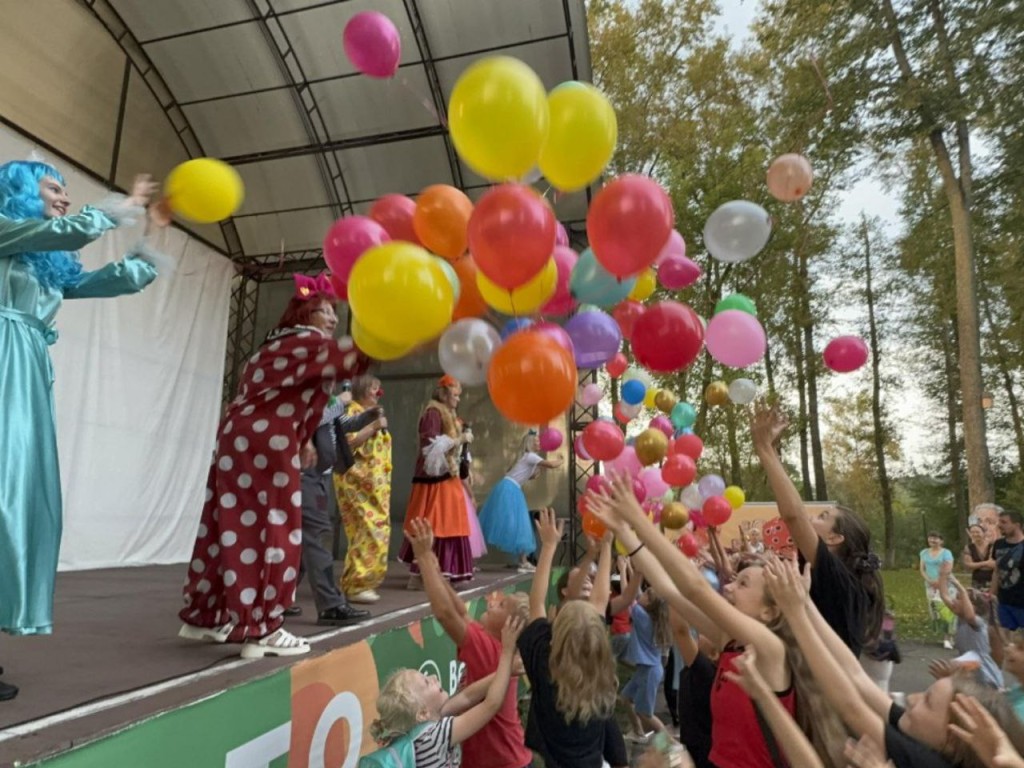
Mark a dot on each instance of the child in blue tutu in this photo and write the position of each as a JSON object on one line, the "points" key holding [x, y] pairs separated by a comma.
{"points": [[504, 517]]}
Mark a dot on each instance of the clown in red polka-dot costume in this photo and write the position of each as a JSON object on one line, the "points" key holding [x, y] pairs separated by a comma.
{"points": [[245, 563]]}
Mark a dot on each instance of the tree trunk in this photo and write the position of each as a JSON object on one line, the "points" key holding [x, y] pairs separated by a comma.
{"points": [[955, 478], [888, 519], [801, 387], [980, 486], [736, 473], [810, 371], [769, 370], [1007, 378]]}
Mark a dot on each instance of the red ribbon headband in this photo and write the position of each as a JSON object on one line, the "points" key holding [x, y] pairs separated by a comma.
{"points": [[308, 287]]}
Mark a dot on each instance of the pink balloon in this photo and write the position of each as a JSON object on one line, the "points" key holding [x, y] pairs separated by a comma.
{"points": [[597, 483], [591, 395], [394, 213], [845, 354], [628, 223], [735, 338], [372, 44], [626, 463], [663, 423], [347, 240], [653, 482], [562, 302], [639, 490], [550, 439], [678, 272], [561, 236], [581, 451], [653, 509], [674, 247], [556, 332]]}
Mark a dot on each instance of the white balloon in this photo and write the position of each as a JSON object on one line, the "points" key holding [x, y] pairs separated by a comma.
{"points": [[638, 373], [465, 350], [691, 497], [737, 231], [742, 391]]}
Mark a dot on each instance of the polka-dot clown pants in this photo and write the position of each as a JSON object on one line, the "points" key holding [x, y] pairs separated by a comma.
{"points": [[245, 561]]}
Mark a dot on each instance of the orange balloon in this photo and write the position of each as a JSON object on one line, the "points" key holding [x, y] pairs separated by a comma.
{"points": [[531, 378], [441, 218], [471, 303], [593, 527]]}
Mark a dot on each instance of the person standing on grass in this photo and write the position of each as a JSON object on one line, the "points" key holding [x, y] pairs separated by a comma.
{"points": [[936, 563]]}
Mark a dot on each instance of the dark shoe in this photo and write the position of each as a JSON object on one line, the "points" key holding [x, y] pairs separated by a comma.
{"points": [[7, 692], [343, 614], [293, 610]]}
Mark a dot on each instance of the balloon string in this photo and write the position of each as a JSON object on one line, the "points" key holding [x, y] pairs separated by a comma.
{"points": [[424, 101]]}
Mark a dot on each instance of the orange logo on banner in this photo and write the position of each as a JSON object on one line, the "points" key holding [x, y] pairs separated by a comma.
{"points": [[329, 725]]}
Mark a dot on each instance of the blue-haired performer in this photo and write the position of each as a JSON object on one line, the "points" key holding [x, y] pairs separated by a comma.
{"points": [[39, 268], [504, 517]]}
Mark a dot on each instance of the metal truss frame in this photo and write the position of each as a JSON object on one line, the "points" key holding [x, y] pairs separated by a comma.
{"points": [[580, 471]]}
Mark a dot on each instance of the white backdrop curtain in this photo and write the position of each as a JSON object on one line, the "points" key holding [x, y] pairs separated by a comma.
{"points": [[138, 390]]}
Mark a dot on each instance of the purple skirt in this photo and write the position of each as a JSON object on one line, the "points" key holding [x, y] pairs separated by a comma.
{"points": [[454, 555]]}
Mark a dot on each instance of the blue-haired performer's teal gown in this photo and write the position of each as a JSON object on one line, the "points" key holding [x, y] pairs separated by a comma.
{"points": [[30, 496]]}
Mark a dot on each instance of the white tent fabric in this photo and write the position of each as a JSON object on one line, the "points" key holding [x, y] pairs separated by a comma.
{"points": [[138, 385]]}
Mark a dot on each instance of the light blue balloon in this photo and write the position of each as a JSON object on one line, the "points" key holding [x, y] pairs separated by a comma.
{"points": [[683, 415], [590, 283], [515, 324]]}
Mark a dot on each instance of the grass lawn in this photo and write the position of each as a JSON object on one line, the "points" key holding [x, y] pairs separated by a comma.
{"points": [[904, 593]]}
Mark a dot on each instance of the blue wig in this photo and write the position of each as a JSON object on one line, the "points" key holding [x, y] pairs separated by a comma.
{"points": [[20, 200]]}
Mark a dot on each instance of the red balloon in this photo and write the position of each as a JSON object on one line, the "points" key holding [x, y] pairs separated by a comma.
{"points": [[617, 365], [688, 545], [394, 213], [688, 445], [626, 315], [340, 286], [603, 440], [667, 337], [628, 224], [678, 272], [845, 354], [593, 527], [620, 413], [678, 470], [511, 234], [562, 302], [716, 510]]}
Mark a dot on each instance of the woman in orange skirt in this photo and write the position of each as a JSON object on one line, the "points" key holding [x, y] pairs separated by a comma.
{"points": [[437, 493]]}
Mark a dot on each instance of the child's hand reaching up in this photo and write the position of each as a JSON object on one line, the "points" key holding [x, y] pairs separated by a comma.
{"points": [[747, 675], [785, 585], [510, 634], [421, 537], [549, 529]]}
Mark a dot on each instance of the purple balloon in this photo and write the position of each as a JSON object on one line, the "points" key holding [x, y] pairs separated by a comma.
{"points": [[372, 44], [674, 246], [735, 338], [580, 450], [678, 272], [561, 236], [655, 485], [710, 485], [595, 337], [557, 333], [663, 423], [626, 463]]}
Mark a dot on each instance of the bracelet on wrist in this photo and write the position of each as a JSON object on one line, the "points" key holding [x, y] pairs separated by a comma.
{"points": [[638, 548]]}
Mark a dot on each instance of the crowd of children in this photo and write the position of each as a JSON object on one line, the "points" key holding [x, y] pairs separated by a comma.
{"points": [[766, 657]]}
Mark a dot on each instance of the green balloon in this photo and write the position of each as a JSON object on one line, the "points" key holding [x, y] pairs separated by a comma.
{"points": [[736, 301]]}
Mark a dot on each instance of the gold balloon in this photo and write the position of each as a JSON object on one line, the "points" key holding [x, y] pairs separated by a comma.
{"points": [[717, 393], [665, 401], [651, 446], [674, 516]]}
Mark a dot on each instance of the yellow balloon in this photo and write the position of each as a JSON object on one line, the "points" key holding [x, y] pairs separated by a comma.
{"points": [[650, 396], [735, 496], [400, 294], [527, 298], [376, 348], [204, 190], [646, 282], [582, 136], [498, 117]]}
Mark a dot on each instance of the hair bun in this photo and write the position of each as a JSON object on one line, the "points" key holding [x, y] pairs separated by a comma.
{"points": [[867, 563]]}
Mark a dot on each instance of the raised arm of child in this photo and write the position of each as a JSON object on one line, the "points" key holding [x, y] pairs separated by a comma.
{"points": [[549, 531], [450, 613], [795, 745], [472, 714]]}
